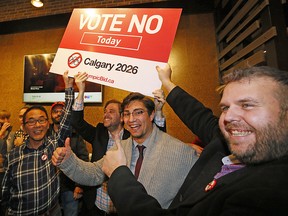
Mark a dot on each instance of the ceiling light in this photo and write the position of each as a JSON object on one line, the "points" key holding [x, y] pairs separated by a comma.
{"points": [[37, 3]]}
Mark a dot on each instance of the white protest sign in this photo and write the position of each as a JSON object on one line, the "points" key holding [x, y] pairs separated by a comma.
{"points": [[118, 47]]}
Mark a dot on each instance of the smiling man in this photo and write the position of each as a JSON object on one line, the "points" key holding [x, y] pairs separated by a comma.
{"points": [[102, 136], [251, 122], [165, 157], [246, 175], [31, 182]]}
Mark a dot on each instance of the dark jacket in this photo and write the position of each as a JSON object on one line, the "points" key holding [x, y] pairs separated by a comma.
{"points": [[253, 190]]}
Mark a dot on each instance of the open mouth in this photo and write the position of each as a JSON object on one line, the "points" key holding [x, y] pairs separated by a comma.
{"points": [[134, 127], [239, 132]]}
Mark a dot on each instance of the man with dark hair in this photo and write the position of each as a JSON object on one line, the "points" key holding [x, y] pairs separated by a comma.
{"points": [[161, 157], [102, 138], [31, 184], [242, 171]]}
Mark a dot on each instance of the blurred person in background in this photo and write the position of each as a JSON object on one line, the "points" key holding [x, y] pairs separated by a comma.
{"points": [[20, 136]]}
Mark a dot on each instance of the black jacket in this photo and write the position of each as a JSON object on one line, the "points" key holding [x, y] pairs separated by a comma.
{"points": [[253, 190]]}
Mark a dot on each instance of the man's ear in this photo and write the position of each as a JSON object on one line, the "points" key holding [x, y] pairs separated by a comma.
{"points": [[121, 118], [152, 116]]}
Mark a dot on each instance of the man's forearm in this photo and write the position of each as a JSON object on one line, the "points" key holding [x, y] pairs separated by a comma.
{"points": [[82, 172]]}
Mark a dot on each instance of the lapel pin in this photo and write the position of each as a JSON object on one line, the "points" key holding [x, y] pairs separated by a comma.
{"points": [[44, 157], [210, 186]]}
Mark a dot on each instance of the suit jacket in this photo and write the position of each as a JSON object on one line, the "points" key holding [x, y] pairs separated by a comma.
{"points": [[253, 190], [166, 160], [98, 137]]}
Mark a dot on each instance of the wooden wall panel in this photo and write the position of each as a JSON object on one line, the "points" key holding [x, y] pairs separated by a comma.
{"points": [[254, 34]]}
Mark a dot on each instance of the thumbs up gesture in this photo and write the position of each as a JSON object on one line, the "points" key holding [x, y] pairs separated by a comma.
{"points": [[61, 153], [114, 158]]}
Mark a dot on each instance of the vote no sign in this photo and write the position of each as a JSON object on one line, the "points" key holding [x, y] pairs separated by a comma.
{"points": [[118, 47]]}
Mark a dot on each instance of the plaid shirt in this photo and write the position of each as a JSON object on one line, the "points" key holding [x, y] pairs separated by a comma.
{"points": [[103, 201], [31, 182]]}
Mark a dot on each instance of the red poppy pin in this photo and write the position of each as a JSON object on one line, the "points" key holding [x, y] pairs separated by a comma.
{"points": [[210, 186]]}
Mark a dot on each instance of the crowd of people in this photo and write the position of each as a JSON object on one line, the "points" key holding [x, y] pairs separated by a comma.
{"points": [[137, 168]]}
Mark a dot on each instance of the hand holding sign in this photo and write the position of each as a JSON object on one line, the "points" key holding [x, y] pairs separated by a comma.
{"points": [[118, 47]]}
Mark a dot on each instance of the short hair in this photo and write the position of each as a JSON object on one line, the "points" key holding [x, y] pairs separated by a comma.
{"points": [[148, 103], [279, 76], [4, 114], [260, 71], [34, 107], [116, 102]]}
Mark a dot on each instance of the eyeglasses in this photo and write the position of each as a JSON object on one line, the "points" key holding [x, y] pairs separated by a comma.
{"points": [[136, 113], [32, 122]]}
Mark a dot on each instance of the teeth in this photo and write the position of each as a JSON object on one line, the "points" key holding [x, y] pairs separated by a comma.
{"points": [[240, 133]]}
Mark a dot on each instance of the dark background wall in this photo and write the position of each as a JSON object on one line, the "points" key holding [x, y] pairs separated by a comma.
{"points": [[33, 31]]}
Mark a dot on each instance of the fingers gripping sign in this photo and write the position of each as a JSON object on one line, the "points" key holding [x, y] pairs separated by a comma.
{"points": [[61, 153], [159, 99], [164, 75], [68, 81], [80, 79], [114, 159]]}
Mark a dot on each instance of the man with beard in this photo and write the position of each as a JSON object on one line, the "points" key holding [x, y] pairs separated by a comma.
{"points": [[70, 192], [242, 171], [102, 138]]}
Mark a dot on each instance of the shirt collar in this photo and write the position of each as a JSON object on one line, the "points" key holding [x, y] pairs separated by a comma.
{"points": [[120, 134], [230, 159]]}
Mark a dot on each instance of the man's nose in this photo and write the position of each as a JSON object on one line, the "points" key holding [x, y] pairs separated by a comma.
{"points": [[232, 114]]}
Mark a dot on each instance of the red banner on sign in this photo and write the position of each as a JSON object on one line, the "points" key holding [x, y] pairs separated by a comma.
{"points": [[139, 33]]}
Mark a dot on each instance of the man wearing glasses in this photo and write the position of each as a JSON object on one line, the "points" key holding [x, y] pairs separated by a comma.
{"points": [[163, 157], [102, 137], [31, 182]]}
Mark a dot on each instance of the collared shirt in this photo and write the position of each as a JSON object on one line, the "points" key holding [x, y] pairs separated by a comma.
{"points": [[228, 167], [31, 182], [103, 200], [135, 154], [111, 142]]}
